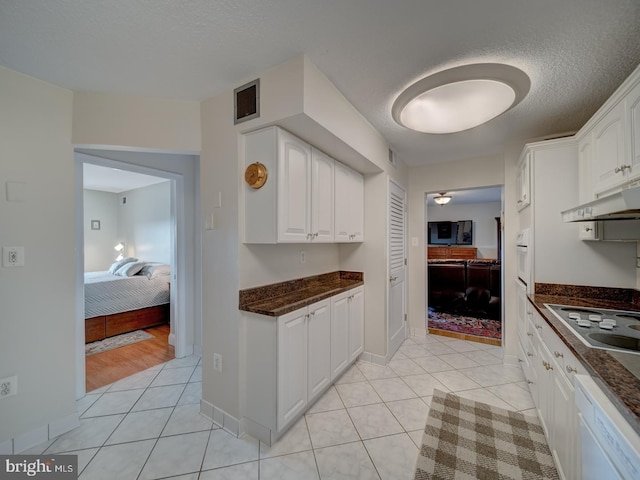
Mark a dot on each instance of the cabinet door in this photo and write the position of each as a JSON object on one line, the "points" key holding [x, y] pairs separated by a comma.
{"points": [[339, 334], [565, 420], [633, 109], [342, 223], [322, 197], [542, 365], [609, 150], [349, 205], [522, 311], [294, 189], [319, 359], [523, 185], [357, 207], [356, 323], [292, 366], [585, 162]]}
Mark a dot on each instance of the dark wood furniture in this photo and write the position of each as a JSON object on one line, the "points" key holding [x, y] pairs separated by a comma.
{"points": [[104, 326], [464, 253]]}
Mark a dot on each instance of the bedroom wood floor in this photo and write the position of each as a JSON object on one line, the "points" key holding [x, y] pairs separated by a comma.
{"points": [[107, 367]]}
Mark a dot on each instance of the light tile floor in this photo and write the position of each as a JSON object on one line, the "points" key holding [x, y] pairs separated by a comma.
{"points": [[368, 425]]}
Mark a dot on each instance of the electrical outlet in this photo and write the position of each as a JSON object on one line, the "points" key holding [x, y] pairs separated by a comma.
{"points": [[8, 387], [13, 256], [217, 362]]}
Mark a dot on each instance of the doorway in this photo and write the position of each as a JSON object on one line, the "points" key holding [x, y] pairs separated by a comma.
{"points": [[180, 171], [463, 234]]}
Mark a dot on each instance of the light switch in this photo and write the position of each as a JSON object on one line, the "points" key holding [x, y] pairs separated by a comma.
{"points": [[13, 256]]}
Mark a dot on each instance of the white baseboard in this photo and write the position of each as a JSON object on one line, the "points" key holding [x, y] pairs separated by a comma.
{"points": [[6, 448], [418, 332], [30, 439], [172, 339], [374, 358], [220, 417], [511, 360]]}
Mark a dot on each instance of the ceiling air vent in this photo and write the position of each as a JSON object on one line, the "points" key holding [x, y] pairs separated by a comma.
{"points": [[246, 102]]}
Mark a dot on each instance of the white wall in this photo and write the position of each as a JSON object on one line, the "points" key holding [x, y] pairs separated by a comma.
{"points": [[157, 123], [98, 244], [144, 222], [37, 341], [440, 177], [483, 215]]}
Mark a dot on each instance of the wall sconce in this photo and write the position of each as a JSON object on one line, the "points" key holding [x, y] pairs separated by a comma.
{"points": [[120, 249], [442, 199]]}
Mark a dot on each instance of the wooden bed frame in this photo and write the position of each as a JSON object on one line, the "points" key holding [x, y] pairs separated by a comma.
{"points": [[104, 326]]}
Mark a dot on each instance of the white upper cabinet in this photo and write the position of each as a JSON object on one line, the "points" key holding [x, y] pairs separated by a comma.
{"points": [[633, 121], [322, 197], [349, 205], [586, 230], [611, 139], [523, 182], [294, 189], [307, 194], [609, 167]]}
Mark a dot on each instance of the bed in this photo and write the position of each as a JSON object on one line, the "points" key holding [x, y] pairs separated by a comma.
{"points": [[123, 299]]}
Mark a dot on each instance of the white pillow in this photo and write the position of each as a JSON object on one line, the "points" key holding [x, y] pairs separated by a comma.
{"points": [[130, 269], [152, 270], [117, 265]]}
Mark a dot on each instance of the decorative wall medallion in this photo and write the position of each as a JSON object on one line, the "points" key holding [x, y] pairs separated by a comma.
{"points": [[255, 175]]}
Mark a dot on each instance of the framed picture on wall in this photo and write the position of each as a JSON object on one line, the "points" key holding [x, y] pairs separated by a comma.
{"points": [[95, 224]]}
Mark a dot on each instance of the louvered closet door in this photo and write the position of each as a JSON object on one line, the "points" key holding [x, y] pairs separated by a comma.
{"points": [[397, 267]]}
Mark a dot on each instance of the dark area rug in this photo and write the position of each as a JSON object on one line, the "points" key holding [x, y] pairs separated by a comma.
{"points": [[480, 327]]}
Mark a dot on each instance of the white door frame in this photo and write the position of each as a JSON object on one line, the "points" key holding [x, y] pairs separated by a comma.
{"points": [[178, 337]]}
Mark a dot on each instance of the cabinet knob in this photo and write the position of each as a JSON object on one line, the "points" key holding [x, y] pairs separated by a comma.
{"points": [[529, 382], [539, 327], [588, 229], [558, 354], [617, 170], [571, 369], [519, 201], [530, 334], [529, 354], [520, 360], [392, 279]]}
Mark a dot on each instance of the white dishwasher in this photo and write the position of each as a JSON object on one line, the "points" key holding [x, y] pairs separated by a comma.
{"points": [[610, 448]]}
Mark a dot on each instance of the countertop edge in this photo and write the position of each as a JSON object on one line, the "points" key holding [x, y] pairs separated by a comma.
{"points": [[303, 302], [597, 362]]}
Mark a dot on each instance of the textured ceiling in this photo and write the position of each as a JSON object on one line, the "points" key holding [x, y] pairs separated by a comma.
{"points": [[576, 53]]}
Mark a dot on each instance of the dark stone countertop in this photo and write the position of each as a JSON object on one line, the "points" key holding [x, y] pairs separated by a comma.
{"points": [[284, 297], [616, 373]]}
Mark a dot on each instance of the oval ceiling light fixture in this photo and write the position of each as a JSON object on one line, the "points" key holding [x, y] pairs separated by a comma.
{"points": [[460, 98]]}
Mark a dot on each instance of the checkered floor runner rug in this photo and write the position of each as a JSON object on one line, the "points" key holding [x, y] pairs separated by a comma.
{"points": [[468, 440]]}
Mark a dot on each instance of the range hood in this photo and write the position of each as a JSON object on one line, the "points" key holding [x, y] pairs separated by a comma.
{"points": [[624, 205]]}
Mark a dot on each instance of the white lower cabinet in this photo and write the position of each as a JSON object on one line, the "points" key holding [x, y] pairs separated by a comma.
{"points": [[550, 380], [319, 354], [291, 360], [292, 365], [347, 329]]}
